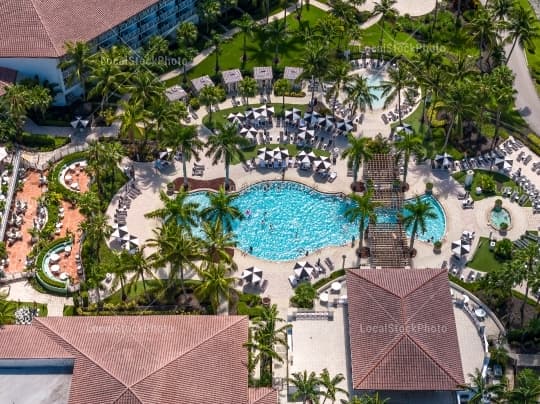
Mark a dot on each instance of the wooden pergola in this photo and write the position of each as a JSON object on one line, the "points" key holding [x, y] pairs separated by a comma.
{"points": [[381, 170], [388, 198], [388, 245]]}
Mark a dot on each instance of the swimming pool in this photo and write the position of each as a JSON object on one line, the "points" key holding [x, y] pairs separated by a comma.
{"points": [[285, 219], [374, 80]]}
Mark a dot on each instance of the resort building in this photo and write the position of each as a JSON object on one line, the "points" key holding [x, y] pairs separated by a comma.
{"points": [[201, 82], [128, 359], [264, 76], [293, 76], [34, 32], [231, 80], [403, 336]]}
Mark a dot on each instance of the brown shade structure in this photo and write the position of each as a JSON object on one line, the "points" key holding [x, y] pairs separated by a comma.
{"points": [[382, 170], [388, 245], [402, 330], [144, 359]]}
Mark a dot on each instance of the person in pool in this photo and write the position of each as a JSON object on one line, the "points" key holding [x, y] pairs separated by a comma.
{"points": [[248, 213]]}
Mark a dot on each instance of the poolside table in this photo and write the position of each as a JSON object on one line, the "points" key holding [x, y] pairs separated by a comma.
{"points": [[74, 186], [67, 248], [323, 297], [480, 313], [63, 276], [68, 178], [55, 268], [336, 286], [54, 257]]}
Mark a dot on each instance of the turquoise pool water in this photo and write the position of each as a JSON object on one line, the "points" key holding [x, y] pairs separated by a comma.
{"points": [[499, 217], [286, 219], [374, 81]]}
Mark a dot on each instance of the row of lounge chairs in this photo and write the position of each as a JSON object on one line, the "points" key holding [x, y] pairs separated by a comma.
{"points": [[525, 240]]}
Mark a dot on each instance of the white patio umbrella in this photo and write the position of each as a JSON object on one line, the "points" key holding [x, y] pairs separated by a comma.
{"points": [[248, 130], [444, 160], [119, 231], [306, 133], [293, 114], [130, 244], [265, 154], [75, 123], [235, 116], [252, 274], [326, 121], [253, 114], [460, 247], [303, 269], [312, 117], [503, 164], [322, 164], [405, 128], [345, 125], [280, 154]]}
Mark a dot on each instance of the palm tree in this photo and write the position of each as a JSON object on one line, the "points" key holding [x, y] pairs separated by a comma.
{"points": [[186, 34], [503, 92], [409, 144], [527, 389], [501, 9], [7, 312], [177, 209], [210, 96], [133, 120], [457, 104], [186, 54], [522, 28], [107, 77], [88, 203], [276, 35], [480, 389], [399, 80], [218, 244], [485, 29], [138, 264], [366, 399], [221, 209], [307, 387], [266, 336], [215, 285], [216, 40], [226, 144], [247, 88], [208, 11], [338, 74], [282, 86], [144, 86], [416, 214], [315, 62], [246, 26], [119, 270], [359, 93], [526, 269], [357, 151], [330, 385], [186, 140], [177, 248], [76, 63], [97, 231], [363, 211], [384, 8]]}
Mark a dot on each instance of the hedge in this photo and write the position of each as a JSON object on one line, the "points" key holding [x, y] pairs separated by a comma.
{"points": [[54, 181], [46, 281], [534, 142], [334, 275], [43, 142]]}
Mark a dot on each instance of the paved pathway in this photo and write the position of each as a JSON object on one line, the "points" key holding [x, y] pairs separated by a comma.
{"points": [[24, 292]]}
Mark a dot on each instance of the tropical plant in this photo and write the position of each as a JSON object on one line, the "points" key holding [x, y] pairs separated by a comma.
{"points": [[527, 388], [338, 74], [526, 270], [96, 231], [217, 41], [303, 297], [330, 385], [178, 209], [315, 62], [133, 120], [106, 76], [215, 285], [359, 93], [186, 140], [457, 105], [522, 28], [208, 11], [76, 62], [209, 97], [218, 244], [145, 87], [407, 145], [138, 264], [186, 34], [366, 399], [282, 87], [276, 35], [247, 88], [484, 28], [222, 210], [387, 11], [226, 144], [503, 249], [399, 81], [7, 312], [116, 267], [357, 152], [480, 389], [177, 248], [416, 214], [307, 387], [246, 24], [502, 95], [266, 336], [363, 211]]}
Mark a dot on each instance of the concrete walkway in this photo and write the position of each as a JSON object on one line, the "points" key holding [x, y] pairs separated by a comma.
{"points": [[24, 292]]}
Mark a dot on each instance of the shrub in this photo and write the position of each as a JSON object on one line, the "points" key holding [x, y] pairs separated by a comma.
{"points": [[194, 103], [487, 183], [42, 142], [503, 249], [498, 203], [504, 226], [437, 244], [304, 294], [84, 298], [432, 114]]}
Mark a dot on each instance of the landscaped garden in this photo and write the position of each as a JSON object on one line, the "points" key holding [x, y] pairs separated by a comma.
{"points": [[491, 183]]}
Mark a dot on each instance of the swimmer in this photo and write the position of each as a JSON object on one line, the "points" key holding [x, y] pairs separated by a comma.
{"points": [[250, 249], [271, 226], [248, 212]]}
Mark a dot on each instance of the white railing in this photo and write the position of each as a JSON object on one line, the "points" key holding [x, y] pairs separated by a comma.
{"points": [[11, 190]]}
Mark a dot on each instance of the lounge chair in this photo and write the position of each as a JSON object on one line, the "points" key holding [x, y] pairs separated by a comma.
{"points": [[264, 285], [293, 281], [329, 263], [332, 176]]}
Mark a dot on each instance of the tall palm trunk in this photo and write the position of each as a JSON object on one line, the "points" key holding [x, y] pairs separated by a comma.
{"points": [[122, 290], [424, 106], [226, 176], [399, 105], [511, 50], [434, 17], [413, 236], [406, 168], [184, 168], [144, 287], [448, 132], [381, 37]]}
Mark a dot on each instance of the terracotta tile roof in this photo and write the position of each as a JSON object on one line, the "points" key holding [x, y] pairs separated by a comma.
{"points": [[148, 359], [402, 330], [38, 28], [7, 77], [19, 342], [262, 395]]}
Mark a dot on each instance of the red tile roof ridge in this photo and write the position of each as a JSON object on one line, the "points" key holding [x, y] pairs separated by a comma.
{"points": [[232, 324], [46, 29]]}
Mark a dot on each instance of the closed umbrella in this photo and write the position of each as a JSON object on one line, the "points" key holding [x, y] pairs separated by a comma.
{"points": [[405, 128]]}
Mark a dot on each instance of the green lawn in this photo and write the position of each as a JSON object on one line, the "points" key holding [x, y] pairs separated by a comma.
{"points": [[484, 260], [135, 291], [500, 180], [221, 115], [399, 43], [258, 53]]}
